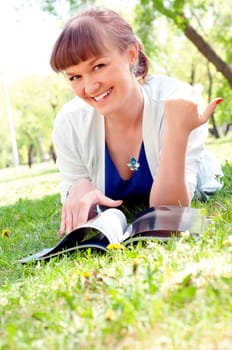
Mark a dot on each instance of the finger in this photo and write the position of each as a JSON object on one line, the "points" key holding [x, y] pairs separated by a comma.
{"points": [[83, 214], [86, 206], [211, 108], [69, 221], [62, 223], [111, 202], [76, 219]]}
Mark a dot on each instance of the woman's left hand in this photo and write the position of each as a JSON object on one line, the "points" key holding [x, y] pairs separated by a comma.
{"points": [[183, 115]]}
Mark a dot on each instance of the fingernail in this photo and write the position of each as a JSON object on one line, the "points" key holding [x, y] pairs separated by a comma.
{"points": [[218, 100]]}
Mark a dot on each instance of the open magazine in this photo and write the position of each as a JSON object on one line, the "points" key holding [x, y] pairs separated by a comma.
{"points": [[111, 226]]}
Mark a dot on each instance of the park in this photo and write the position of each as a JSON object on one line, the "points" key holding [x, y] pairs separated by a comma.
{"points": [[152, 296]]}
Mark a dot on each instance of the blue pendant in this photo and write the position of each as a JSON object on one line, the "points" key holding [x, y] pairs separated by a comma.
{"points": [[133, 165]]}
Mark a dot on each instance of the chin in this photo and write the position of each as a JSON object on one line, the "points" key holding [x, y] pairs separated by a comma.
{"points": [[104, 111]]}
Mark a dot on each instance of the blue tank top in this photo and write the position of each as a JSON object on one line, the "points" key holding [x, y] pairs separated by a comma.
{"points": [[136, 188]]}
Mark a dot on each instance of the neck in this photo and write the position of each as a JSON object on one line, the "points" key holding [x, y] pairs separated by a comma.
{"points": [[130, 116]]}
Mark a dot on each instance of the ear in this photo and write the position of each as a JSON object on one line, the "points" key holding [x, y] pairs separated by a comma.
{"points": [[133, 52]]}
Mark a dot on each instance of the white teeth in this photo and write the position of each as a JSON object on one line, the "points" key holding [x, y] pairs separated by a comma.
{"points": [[98, 98]]}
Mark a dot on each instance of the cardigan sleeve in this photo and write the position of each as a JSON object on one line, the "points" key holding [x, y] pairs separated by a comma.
{"points": [[69, 153]]}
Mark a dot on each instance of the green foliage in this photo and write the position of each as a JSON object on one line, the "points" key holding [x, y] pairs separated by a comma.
{"points": [[144, 18], [34, 111], [54, 7], [160, 25], [226, 180], [5, 150]]}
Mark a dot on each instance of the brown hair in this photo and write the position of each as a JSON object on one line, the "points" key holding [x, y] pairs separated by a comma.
{"points": [[87, 35]]}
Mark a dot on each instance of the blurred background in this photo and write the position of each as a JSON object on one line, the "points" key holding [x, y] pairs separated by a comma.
{"points": [[186, 39]]}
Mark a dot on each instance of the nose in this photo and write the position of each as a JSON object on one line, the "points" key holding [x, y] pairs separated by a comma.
{"points": [[91, 86]]}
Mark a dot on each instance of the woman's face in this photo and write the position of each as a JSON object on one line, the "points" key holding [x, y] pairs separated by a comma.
{"points": [[105, 82]]}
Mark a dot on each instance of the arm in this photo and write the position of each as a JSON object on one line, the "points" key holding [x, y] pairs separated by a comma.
{"points": [[180, 118]]}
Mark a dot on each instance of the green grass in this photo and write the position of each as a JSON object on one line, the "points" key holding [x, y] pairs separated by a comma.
{"points": [[155, 296], [221, 148]]}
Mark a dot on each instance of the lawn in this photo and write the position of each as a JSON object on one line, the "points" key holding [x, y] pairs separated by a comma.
{"points": [[156, 296]]}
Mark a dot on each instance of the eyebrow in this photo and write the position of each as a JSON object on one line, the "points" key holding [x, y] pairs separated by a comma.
{"points": [[90, 64]]}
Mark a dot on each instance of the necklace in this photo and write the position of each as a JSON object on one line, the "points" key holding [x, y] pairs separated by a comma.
{"points": [[133, 164]]}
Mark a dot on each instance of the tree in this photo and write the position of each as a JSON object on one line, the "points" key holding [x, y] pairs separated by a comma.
{"points": [[35, 110], [188, 18], [175, 10]]}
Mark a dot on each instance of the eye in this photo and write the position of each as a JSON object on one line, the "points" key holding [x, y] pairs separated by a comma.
{"points": [[98, 66], [74, 77]]}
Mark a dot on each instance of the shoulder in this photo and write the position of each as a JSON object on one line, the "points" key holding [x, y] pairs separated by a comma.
{"points": [[163, 87], [76, 121], [75, 109], [77, 118]]}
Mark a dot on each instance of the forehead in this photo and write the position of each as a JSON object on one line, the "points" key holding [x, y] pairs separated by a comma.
{"points": [[109, 54], [87, 63]]}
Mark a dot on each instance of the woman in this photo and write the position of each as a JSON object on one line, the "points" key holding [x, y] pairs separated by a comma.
{"points": [[126, 135]]}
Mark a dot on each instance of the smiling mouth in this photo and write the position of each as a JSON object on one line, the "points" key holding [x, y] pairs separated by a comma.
{"points": [[101, 96]]}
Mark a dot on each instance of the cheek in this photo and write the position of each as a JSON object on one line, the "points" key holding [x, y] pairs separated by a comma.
{"points": [[77, 88]]}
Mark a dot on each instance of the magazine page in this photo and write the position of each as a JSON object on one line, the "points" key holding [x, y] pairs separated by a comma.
{"points": [[111, 223], [163, 222]]}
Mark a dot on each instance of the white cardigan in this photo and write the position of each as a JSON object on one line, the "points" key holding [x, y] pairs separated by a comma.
{"points": [[79, 136]]}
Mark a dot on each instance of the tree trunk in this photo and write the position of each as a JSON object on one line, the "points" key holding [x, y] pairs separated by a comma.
{"points": [[182, 22], [228, 128], [53, 153], [30, 155], [208, 52], [214, 129], [193, 73]]}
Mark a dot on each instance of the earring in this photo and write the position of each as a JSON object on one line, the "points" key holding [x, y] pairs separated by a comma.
{"points": [[133, 69]]}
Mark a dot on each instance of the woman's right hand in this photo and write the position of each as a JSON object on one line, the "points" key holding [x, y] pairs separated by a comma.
{"points": [[182, 116], [77, 207]]}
